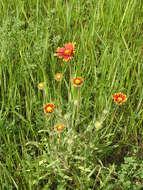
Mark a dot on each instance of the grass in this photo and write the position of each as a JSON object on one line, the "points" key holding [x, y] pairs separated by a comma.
{"points": [[108, 36]]}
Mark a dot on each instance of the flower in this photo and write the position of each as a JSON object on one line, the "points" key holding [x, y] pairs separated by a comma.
{"points": [[49, 108], [60, 127], [76, 102], [98, 125], [119, 98], [41, 86], [66, 52], [77, 81], [58, 76]]}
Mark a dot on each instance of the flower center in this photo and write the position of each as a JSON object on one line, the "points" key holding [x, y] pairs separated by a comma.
{"points": [[120, 99], [49, 109], [77, 81], [59, 127], [59, 76], [41, 86], [67, 52]]}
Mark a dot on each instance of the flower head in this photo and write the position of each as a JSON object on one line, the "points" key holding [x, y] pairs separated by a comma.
{"points": [[60, 127], [119, 98], [49, 108], [41, 85], [77, 81], [98, 125], [66, 52], [58, 76]]}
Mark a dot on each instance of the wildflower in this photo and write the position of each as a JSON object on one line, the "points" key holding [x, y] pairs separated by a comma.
{"points": [[76, 102], [41, 86], [98, 125], [59, 127], [42, 161], [58, 76], [105, 112], [66, 52], [119, 98], [77, 81], [49, 108]]}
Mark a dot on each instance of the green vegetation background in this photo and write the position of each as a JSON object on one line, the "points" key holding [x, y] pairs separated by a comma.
{"points": [[109, 54]]}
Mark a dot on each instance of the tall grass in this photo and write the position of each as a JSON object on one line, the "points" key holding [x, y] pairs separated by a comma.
{"points": [[108, 36]]}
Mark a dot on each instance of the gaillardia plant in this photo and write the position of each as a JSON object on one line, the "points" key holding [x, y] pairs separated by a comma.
{"points": [[119, 98], [60, 127], [66, 52], [58, 77], [77, 81], [49, 108]]}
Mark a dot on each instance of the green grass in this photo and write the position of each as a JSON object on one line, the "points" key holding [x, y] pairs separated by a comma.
{"points": [[109, 54]]}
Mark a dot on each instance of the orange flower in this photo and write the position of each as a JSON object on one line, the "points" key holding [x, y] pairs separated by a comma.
{"points": [[77, 81], [49, 108], [58, 76], [119, 98], [60, 127], [66, 52]]}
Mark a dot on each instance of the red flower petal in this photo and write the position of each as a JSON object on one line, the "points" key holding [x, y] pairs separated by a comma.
{"points": [[60, 50], [66, 58], [70, 46]]}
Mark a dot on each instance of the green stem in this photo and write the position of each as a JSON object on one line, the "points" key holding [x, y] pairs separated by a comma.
{"points": [[59, 92], [44, 96], [70, 72], [111, 120], [78, 106]]}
